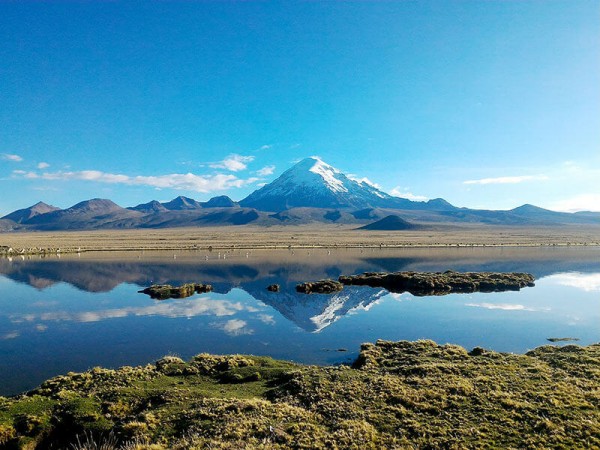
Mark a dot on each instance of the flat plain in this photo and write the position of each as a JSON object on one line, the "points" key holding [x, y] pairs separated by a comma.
{"points": [[306, 236]]}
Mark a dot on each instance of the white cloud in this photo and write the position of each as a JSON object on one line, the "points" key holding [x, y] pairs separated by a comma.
{"points": [[265, 147], [178, 181], [233, 162], [45, 189], [587, 169], [400, 297], [582, 202], [508, 180], [505, 306], [588, 282], [267, 319], [399, 192], [364, 180], [251, 180], [11, 157], [234, 327], [267, 170], [180, 308], [43, 165], [11, 335]]}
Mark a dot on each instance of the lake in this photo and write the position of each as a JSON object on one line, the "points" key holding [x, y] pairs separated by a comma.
{"points": [[71, 313]]}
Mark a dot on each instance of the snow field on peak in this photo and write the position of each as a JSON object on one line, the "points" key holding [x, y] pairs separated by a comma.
{"points": [[328, 172]]}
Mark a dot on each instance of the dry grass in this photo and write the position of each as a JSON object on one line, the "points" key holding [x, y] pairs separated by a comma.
{"points": [[401, 395], [310, 236]]}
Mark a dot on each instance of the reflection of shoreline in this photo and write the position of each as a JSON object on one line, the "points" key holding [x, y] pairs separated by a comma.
{"points": [[230, 269], [312, 313], [226, 272]]}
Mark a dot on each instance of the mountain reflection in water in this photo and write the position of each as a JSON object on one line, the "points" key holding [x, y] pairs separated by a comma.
{"points": [[74, 312]]}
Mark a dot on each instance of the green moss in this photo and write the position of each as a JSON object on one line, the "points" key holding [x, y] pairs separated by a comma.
{"points": [[398, 394]]}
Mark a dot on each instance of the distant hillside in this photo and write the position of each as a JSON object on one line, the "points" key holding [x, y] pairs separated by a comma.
{"points": [[311, 191], [23, 215], [7, 225], [182, 203], [150, 207], [390, 223], [90, 214], [221, 201]]}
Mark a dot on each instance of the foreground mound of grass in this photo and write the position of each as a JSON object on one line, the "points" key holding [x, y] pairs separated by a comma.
{"points": [[396, 395]]}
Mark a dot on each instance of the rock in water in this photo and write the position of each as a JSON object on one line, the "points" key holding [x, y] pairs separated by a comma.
{"points": [[165, 291], [438, 283], [320, 287]]}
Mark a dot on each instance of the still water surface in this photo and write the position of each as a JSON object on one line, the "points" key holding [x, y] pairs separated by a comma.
{"points": [[76, 312]]}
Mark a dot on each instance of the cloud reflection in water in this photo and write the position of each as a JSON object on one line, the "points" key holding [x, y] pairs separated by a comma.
{"points": [[505, 307], [180, 308], [588, 282]]}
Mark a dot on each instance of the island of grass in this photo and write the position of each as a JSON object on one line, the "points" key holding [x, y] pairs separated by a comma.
{"points": [[441, 283], [396, 395]]}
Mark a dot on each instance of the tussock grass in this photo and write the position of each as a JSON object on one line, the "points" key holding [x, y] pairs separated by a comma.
{"points": [[396, 395]]}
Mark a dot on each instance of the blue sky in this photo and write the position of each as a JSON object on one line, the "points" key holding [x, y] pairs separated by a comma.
{"points": [[486, 104]]}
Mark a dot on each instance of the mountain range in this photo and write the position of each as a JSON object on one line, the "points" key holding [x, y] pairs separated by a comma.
{"points": [[311, 191]]}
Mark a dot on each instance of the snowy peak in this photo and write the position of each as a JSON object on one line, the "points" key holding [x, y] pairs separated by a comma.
{"points": [[329, 174], [314, 183], [314, 170]]}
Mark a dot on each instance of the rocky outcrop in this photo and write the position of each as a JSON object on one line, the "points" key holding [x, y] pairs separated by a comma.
{"points": [[273, 288], [319, 287], [441, 283], [165, 291]]}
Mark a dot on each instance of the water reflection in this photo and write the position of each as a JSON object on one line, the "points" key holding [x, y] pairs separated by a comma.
{"points": [[102, 273], [506, 307], [588, 282], [73, 313], [181, 308], [311, 313]]}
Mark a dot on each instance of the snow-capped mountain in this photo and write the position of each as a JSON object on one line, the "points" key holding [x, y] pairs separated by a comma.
{"points": [[311, 191], [315, 312], [314, 183]]}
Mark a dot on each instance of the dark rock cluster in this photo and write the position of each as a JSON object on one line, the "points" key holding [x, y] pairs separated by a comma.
{"points": [[165, 291], [441, 283], [319, 287]]}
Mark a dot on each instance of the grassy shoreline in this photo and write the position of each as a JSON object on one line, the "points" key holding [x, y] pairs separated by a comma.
{"points": [[396, 395], [248, 238]]}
